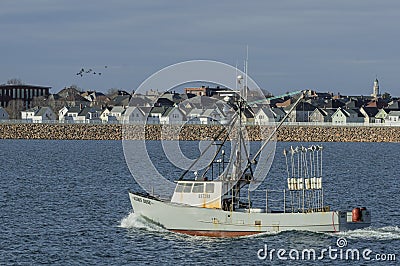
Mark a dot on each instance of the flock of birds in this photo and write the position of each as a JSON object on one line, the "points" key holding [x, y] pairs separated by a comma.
{"points": [[88, 71]]}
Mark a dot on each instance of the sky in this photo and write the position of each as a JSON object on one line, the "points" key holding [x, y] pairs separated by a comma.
{"points": [[329, 46]]}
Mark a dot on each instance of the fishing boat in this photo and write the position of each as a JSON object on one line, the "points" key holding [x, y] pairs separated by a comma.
{"points": [[220, 204]]}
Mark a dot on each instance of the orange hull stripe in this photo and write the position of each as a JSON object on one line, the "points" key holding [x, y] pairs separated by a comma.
{"points": [[216, 233]]}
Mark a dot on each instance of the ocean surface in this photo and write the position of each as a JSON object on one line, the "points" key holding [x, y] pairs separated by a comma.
{"points": [[66, 203]]}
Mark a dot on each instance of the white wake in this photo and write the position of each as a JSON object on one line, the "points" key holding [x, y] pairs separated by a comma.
{"points": [[136, 221], [383, 233]]}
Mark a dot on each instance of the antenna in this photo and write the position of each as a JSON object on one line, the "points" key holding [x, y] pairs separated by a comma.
{"points": [[246, 66], [236, 83]]}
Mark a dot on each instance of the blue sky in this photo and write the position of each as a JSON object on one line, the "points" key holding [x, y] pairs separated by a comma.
{"points": [[336, 46]]}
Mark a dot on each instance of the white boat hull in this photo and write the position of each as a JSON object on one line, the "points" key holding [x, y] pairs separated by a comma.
{"points": [[216, 222]]}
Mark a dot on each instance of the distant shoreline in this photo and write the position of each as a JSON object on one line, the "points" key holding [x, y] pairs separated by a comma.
{"points": [[195, 132]]}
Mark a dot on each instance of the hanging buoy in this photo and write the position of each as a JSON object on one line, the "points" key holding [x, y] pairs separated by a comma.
{"points": [[319, 183], [289, 184], [300, 184], [294, 183], [313, 183], [356, 215], [307, 183]]}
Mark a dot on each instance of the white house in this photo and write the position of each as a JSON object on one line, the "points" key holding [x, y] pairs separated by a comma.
{"points": [[38, 114], [29, 113], [263, 116], [381, 115], [205, 116], [77, 114], [105, 114], [393, 117], [211, 116], [342, 117], [172, 115], [61, 113], [3, 114], [68, 113], [136, 115], [116, 113]]}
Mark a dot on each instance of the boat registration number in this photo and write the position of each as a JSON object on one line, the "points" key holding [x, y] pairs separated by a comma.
{"points": [[145, 201], [204, 196]]}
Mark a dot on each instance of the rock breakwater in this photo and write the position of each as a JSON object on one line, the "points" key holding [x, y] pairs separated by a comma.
{"points": [[195, 132]]}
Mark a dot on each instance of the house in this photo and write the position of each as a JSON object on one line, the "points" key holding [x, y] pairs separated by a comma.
{"points": [[342, 116], [72, 97], [330, 103], [62, 112], [96, 98], [89, 115], [379, 103], [382, 114], [369, 114], [38, 114], [139, 101], [278, 113], [116, 113], [154, 115], [193, 115], [201, 102], [355, 116], [211, 116], [3, 114], [80, 114], [172, 115], [284, 104], [68, 113], [136, 115], [205, 116], [121, 100], [393, 117], [301, 112], [153, 95], [203, 91], [322, 115], [171, 96], [105, 114], [394, 104], [263, 116], [163, 115], [164, 102], [115, 92]]}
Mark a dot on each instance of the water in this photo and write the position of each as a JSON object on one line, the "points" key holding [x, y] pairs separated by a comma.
{"points": [[66, 203]]}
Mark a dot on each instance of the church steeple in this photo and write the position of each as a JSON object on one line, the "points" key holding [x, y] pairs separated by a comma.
{"points": [[375, 90]]}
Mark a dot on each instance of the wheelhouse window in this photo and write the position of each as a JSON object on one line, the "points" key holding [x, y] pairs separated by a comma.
{"points": [[209, 188], [179, 187], [198, 188], [187, 188]]}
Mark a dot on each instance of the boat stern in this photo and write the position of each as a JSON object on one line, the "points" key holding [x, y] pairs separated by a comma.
{"points": [[358, 218]]}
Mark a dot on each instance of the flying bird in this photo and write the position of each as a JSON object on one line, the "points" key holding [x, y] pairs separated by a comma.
{"points": [[90, 70]]}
